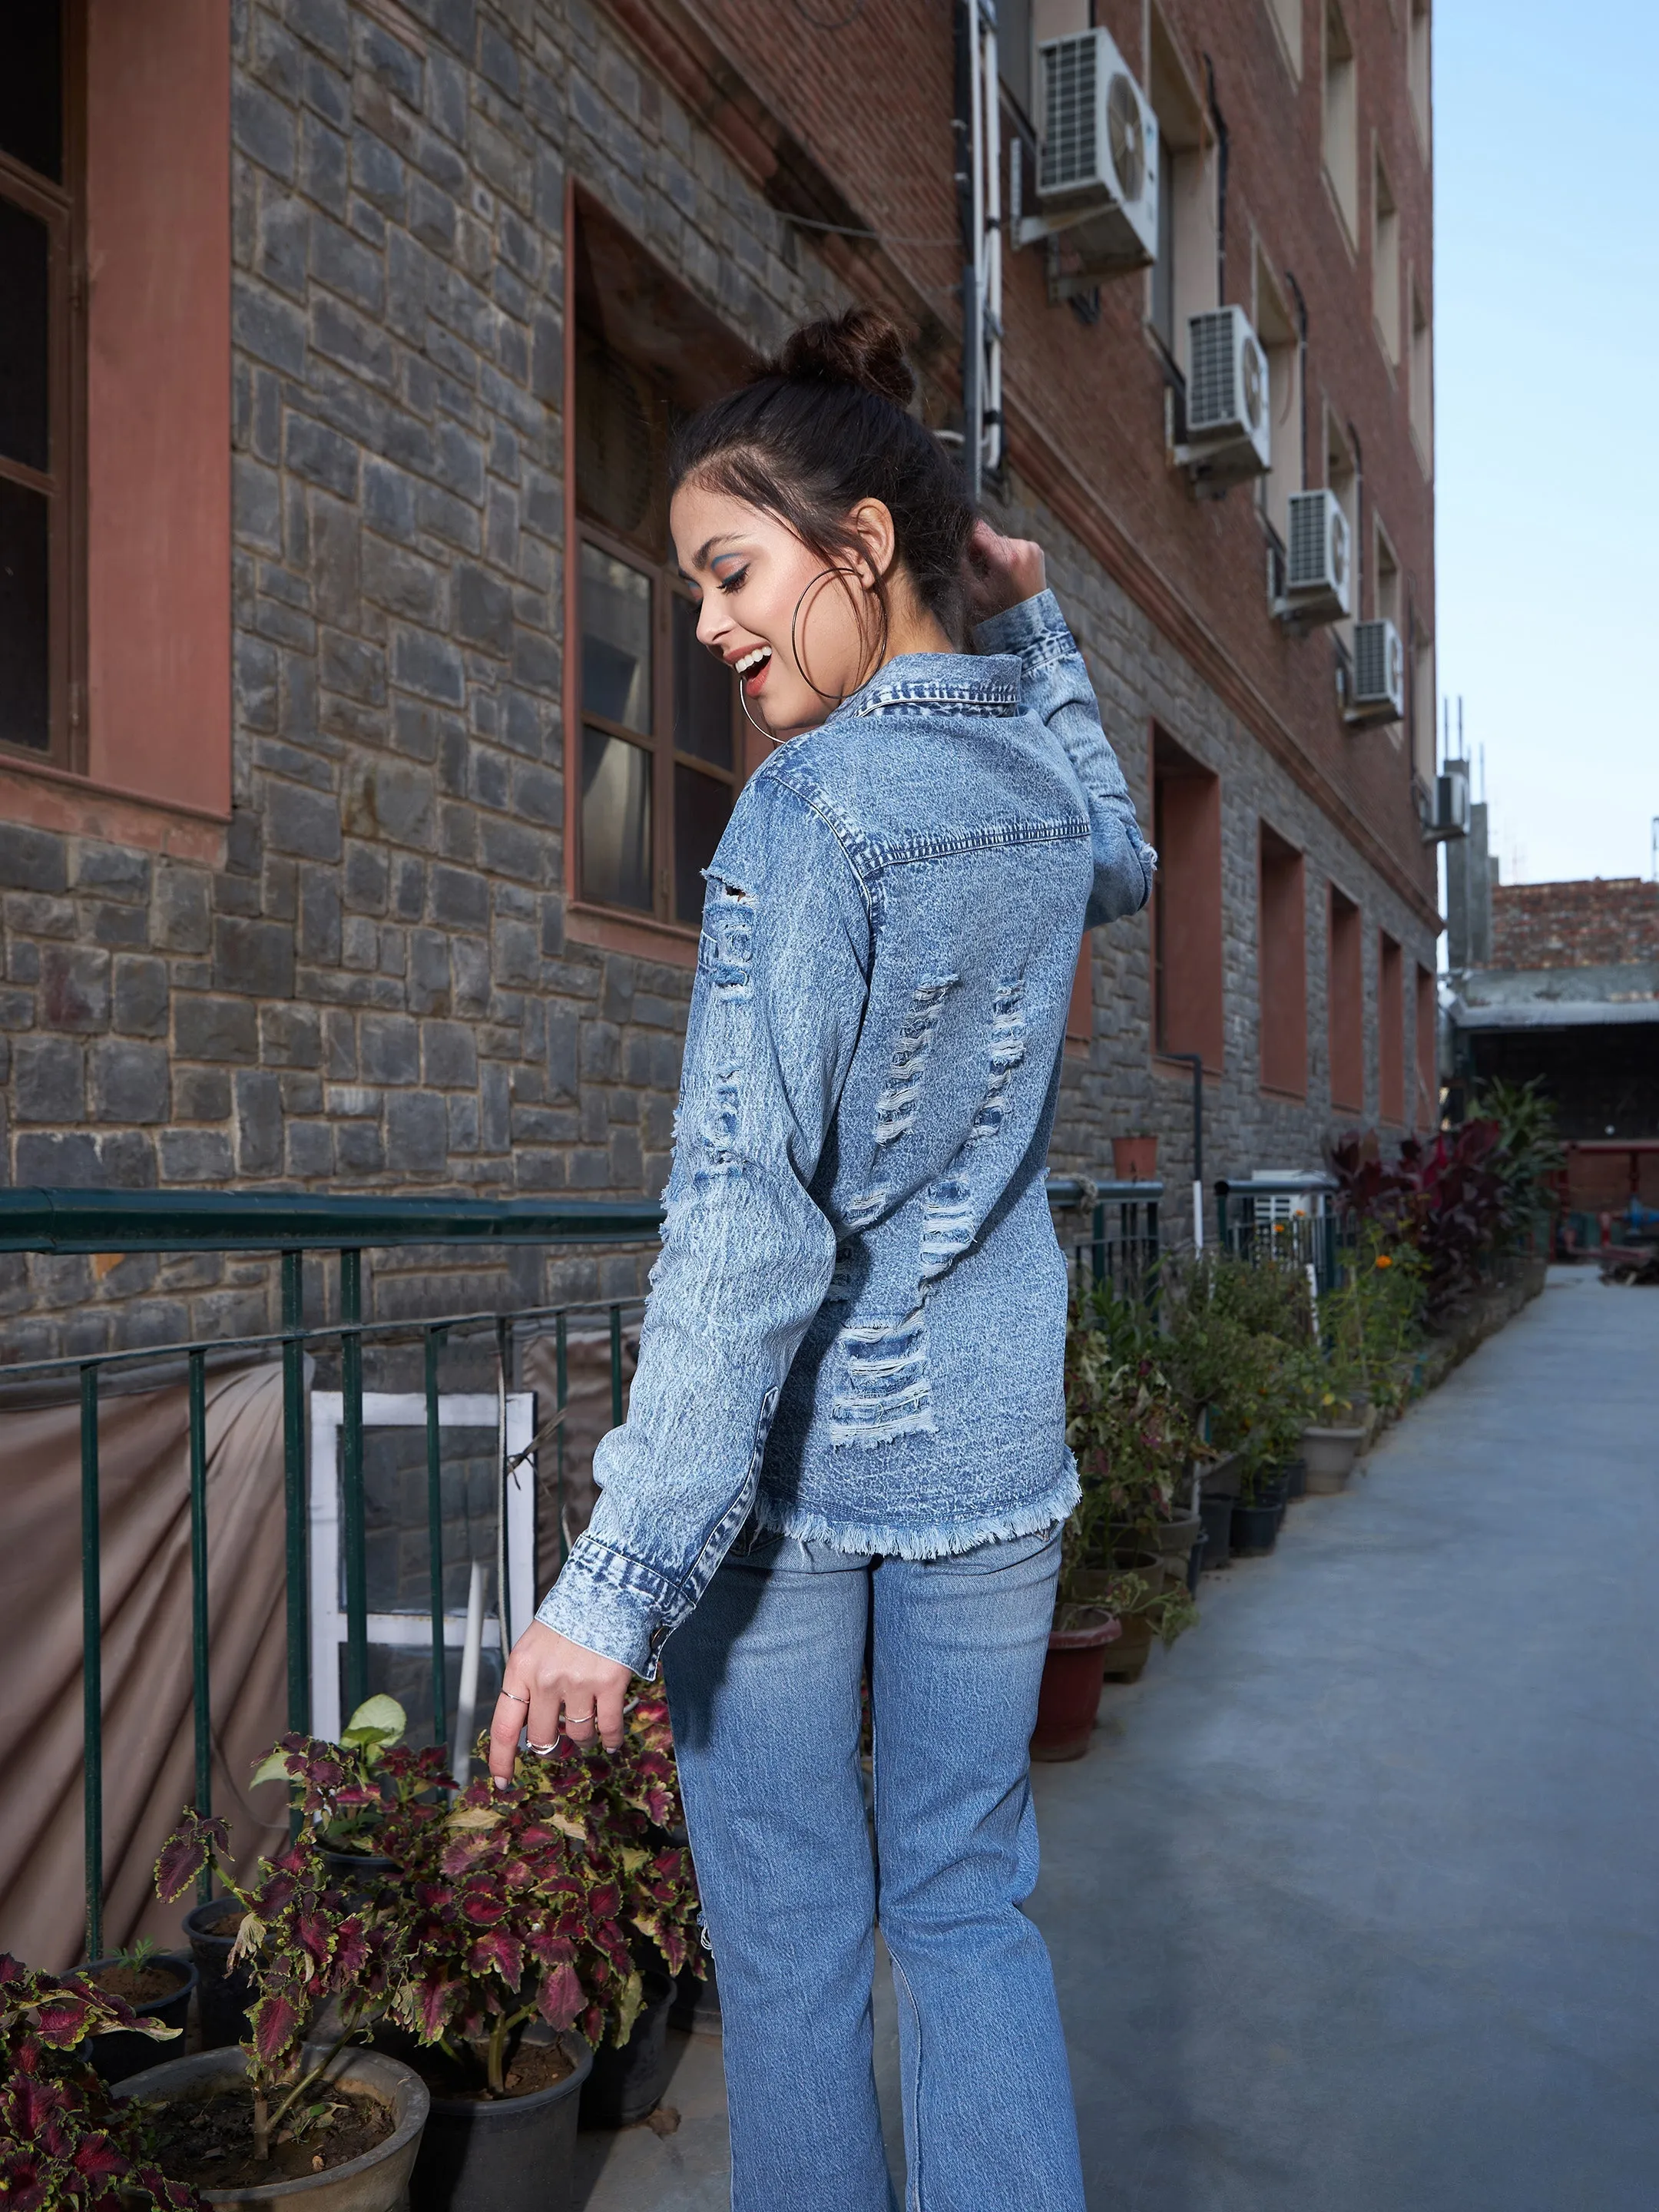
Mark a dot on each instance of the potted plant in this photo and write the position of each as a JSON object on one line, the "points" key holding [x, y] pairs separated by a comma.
{"points": [[527, 1929], [282, 2115], [350, 1789], [65, 2141], [158, 1985], [1134, 1158]]}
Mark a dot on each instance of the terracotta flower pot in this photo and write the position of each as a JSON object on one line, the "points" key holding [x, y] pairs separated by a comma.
{"points": [[1070, 1695], [1134, 1159]]}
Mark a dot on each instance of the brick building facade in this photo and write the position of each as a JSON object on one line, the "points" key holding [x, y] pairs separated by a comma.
{"points": [[330, 933]]}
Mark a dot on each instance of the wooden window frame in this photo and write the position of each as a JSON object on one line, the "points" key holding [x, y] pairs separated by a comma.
{"points": [[665, 588], [1282, 965], [1345, 1011], [61, 208], [1390, 1030]]}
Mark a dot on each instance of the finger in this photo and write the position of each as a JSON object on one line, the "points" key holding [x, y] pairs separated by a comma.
{"points": [[504, 1725], [608, 1712], [541, 1714], [579, 1718]]}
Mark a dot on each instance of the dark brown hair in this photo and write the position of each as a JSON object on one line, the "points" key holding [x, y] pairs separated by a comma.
{"points": [[825, 424]]}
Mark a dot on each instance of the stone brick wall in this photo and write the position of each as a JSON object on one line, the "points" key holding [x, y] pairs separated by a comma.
{"points": [[373, 982], [1599, 922]]}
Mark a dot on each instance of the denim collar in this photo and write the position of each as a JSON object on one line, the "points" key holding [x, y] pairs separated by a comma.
{"points": [[985, 682]]}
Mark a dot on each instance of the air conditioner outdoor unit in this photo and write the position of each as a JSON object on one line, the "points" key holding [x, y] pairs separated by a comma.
{"points": [[1447, 815], [1228, 413], [1097, 167], [1377, 692], [1317, 561]]}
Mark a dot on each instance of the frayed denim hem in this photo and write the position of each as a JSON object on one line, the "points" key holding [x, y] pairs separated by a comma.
{"points": [[779, 1518]]}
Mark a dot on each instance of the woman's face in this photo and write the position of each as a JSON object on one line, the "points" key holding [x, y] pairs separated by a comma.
{"points": [[799, 640]]}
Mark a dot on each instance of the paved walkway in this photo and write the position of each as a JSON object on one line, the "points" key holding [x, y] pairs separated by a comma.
{"points": [[1355, 1903]]}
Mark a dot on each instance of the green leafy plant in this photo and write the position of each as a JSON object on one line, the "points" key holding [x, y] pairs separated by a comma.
{"points": [[66, 2145], [349, 1790]]}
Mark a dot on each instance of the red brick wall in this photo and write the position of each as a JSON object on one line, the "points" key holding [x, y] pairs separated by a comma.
{"points": [[1577, 925], [872, 104]]}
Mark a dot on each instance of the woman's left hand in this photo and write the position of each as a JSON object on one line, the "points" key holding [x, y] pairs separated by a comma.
{"points": [[551, 1686]]}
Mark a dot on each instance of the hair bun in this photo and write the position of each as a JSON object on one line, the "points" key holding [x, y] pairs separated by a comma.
{"points": [[861, 348]]}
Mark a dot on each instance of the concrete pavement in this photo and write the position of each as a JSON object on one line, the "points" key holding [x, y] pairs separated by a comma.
{"points": [[1355, 1903]]}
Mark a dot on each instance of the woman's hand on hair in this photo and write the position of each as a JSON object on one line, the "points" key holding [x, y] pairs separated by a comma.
{"points": [[1001, 572]]}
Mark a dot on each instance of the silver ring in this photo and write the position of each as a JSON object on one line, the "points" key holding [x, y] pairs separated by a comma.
{"points": [[541, 1750], [513, 1694]]}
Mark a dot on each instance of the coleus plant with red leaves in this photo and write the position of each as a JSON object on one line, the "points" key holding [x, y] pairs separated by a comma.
{"points": [[66, 2145], [304, 1940]]}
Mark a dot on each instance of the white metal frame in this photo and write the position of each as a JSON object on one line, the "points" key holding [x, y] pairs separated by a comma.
{"points": [[384, 1409]]}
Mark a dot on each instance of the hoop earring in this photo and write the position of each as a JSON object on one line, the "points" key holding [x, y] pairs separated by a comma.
{"points": [[836, 699], [771, 738]]}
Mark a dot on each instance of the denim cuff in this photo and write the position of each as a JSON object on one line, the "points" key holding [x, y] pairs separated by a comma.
{"points": [[611, 1604], [1034, 624]]}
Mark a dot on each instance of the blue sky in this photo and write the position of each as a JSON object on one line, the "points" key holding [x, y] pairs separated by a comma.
{"points": [[1546, 128]]}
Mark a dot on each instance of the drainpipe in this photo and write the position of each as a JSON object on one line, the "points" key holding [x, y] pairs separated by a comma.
{"points": [[1301, 364], [1222, 145], [1195, 1061]]}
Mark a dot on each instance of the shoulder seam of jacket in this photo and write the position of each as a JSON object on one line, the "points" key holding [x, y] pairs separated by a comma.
{"points": [[845, 836]]}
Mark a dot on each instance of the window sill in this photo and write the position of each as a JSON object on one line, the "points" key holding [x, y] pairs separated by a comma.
{"points": [[1348, 1106], [1181, 1070], [42, 797], [669, 942], [1284, 1097]]}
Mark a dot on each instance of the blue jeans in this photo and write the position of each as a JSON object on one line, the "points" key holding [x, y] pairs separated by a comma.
{"points": [[764, 1683]]}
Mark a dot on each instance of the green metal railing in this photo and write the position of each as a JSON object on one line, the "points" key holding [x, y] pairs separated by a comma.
{"points": [[1120, 1245], [1254, 1224]]}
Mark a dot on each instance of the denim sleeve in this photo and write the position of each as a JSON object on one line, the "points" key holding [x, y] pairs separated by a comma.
{"points": [[748, 1254], [1055, 684]]}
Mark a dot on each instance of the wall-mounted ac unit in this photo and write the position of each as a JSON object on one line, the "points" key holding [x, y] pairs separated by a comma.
{"points": [[1318, 563], [1376, 691], [1096, 168], [1447, 813], [1228, 413]]}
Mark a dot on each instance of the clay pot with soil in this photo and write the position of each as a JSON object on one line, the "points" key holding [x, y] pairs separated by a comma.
{"points": [[506, 2151], [1072, 1676], [157, 1985], [350, 2146]]}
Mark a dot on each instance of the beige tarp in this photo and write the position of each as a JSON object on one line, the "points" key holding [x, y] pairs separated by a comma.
{"points": [[148, 1740]]}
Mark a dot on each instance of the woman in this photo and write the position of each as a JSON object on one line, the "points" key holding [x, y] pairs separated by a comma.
{"points": [[845, 1446]]}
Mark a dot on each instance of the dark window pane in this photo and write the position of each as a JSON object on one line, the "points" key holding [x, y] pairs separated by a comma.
{"points": [[702, 807], [615, 641], [24, 261], [25, 682], [702, 693], [616, 821], [32, 85]]}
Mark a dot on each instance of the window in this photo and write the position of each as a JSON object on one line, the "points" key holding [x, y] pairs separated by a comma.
{"points": [[1422, 381], [1391, 1029], [1346, 1006], [42, 355], [1425, 1110], [1287, 21], [1385, 591], [661, 750], [1277, 334], [1417, 68], [1014, 54], [1183, 277], [1341, 120], [1385, 261], [1282, 966], [1080, 1012], [1187, 905], [1424, 751]]}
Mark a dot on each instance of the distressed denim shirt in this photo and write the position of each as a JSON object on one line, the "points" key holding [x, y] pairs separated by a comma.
{"points": [[856, 1328]]}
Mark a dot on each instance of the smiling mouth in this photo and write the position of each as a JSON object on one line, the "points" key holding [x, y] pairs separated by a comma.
{"points": [[750, 668]]}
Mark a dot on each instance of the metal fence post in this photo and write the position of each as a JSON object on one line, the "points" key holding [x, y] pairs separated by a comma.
{"points": [[353, 1545], [297, 1559], [435, 1537], [198, 1601], [92, 1654]]}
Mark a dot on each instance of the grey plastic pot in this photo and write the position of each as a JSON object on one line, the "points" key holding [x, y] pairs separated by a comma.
{"points": [[505, 2153], [696, 2005], [126, 2052], [1330, 1454], [376, 2182], [629, 2079]]}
